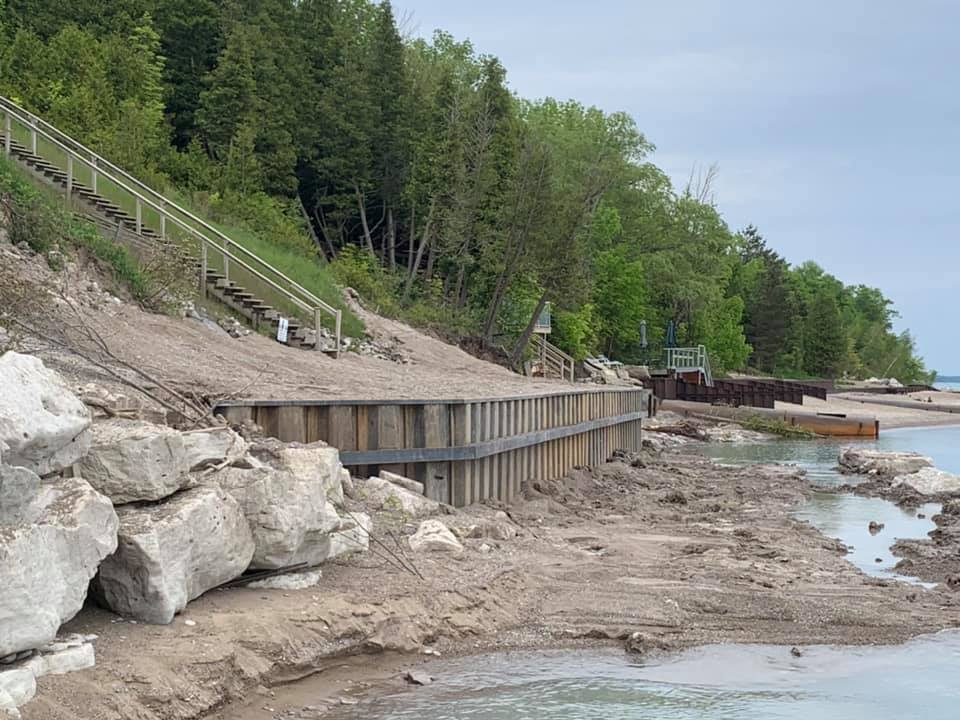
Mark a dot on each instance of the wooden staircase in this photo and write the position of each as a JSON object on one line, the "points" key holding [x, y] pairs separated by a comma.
{"points": [[214, 283]]}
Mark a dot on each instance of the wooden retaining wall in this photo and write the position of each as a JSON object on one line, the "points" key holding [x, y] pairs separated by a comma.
{"points": [[463, 451]]}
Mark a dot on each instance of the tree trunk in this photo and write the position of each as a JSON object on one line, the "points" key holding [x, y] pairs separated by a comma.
{"points": [[425, 240], [496, 300], [527, 333], [431, 262], [325, 230], [391, 240], [363, 219], [412, 235], [306, 219]]}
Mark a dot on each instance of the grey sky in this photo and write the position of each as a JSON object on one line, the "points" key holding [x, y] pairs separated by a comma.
{"points": [[836, 125]]}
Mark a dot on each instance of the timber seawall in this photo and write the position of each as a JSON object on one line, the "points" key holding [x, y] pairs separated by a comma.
{"points": [[463, 451]]}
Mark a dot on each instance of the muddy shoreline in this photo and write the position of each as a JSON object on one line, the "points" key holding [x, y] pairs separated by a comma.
{"points": [[669, 545]]}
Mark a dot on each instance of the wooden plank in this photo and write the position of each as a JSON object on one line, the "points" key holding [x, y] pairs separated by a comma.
{"points": [[291, 424], [435, 422]]}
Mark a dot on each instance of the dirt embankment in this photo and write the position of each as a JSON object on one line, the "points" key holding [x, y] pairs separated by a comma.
{"points": [[669, 545]]}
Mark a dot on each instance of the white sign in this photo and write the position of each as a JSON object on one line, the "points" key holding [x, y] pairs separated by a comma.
{"points": [[282, 328]]}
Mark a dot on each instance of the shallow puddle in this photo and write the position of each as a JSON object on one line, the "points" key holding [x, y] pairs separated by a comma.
{"points": [[719, 682]]}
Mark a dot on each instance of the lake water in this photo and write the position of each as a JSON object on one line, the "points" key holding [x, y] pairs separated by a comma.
{"points": [[847, 517], [718, 682], [727, 682]]}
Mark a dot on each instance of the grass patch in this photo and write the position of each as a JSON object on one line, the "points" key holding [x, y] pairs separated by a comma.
{"points": [[759, 423], [48, 228], [255, 224]]}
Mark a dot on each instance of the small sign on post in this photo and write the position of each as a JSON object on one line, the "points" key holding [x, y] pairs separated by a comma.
{"points": [[283, 327]]}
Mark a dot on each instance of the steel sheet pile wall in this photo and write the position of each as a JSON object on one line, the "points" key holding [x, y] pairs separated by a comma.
{"points": [[462, 451]]}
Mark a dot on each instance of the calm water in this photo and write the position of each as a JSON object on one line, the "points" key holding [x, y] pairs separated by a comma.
{"points": [[718, 682], [726, 682], [847, 517]]}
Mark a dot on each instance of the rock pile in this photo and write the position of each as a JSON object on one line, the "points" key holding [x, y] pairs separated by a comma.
{"points": [[147, 516], [908, 478]]}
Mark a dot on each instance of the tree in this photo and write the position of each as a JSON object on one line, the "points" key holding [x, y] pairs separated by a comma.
{"points": [[824, 339]]}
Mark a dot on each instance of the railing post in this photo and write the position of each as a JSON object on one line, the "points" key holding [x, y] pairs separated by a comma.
{"points": [[139, 216], [316, 327], [203, 269], [337, 331], [7, 133], [93, 174], [69, 177], [226, 260], [163, 220], [33, 134]]}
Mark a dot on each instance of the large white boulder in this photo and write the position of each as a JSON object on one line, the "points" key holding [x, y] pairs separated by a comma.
{"points": [[876, 462], [930, 481], [19, 489], [48, 555], [353, 537], [385, 496], [132, 461], [316, 464], [212, 447], [43, 425], [173, 552], [434, 536], [289, 516]]}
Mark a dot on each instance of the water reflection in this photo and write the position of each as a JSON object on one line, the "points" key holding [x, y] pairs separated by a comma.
{"points": [[714, 682]]}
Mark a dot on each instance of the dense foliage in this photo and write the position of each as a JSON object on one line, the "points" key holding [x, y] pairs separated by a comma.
{"points": [[428, 183]]}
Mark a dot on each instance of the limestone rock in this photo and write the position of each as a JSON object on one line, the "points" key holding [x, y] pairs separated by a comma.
{"points": [[876, 462], [19, 488], [404, 482], [18, 683], [47, 559], [930, 481], [289, 516], [206, 448], [383, 495], [44, 427], [173, 552], [133, 461], [318, 464], [434, 536], [354, 537]]}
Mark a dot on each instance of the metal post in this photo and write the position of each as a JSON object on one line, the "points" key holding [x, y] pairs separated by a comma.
{"points": [[316, 327], [139, 217], [226, 260], [33, 134], [336, 331], [93, 175], [163, 221], [8, 134], [69, 177], [203, 269]]}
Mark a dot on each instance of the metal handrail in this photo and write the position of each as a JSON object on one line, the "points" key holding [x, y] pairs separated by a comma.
{"points": [[691, 358], [547, 351], [100, 166]]}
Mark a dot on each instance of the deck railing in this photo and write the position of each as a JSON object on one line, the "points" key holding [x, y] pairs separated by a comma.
{"points": [[175, 223]]}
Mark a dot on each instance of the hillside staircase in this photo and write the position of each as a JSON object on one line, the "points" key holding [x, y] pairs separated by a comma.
{"points": [[144, 219], [691, 363], [554, 362]]}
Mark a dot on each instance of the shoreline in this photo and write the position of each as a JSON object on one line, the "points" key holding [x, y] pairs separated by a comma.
{"points": [[672, 546]]}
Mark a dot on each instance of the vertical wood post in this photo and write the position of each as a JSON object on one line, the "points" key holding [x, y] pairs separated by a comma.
{"points": [[203, 268], [69, 178]]}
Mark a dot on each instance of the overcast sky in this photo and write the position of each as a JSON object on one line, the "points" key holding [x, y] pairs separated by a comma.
{"points": [[835, 125]]}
